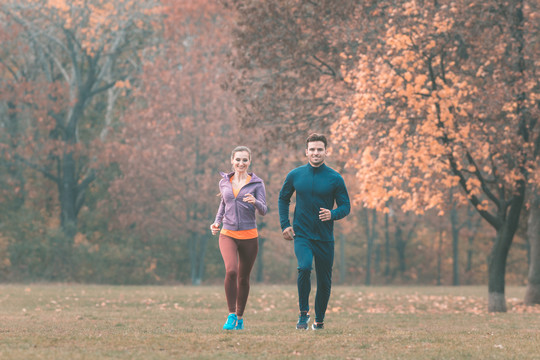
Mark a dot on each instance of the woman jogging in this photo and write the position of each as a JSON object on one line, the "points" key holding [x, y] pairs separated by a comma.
{"points": [[242, 194]]}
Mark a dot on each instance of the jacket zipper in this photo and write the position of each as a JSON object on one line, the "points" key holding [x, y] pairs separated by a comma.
{"points": [[236, 206]]}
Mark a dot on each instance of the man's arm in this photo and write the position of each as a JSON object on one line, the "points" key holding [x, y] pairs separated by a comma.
{"points": [[284, 202], [342, 200]]}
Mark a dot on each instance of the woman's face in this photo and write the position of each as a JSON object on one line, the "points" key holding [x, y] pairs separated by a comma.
{"points": [[240, 161]]}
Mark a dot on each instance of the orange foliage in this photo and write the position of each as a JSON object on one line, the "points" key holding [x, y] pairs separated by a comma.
{"points": [[425, 99], [177, 135]]}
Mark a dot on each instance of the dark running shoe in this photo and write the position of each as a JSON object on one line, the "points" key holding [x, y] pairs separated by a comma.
{"points": [[302, 323], [317, 326]]}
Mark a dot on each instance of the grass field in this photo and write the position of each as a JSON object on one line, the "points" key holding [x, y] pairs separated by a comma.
{"points": [[119, 322]]}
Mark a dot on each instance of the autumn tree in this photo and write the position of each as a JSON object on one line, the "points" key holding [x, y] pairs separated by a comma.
{"points": [[11, 178], [288, 54], [277, 40], [77, 51], [448, 97], [66, 59], [176, 138]]}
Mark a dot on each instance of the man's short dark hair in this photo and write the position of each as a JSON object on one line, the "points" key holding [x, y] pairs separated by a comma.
{"points": [[317, 137]]}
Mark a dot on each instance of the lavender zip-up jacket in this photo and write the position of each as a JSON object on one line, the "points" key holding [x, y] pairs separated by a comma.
{"points": [[234, 212]]}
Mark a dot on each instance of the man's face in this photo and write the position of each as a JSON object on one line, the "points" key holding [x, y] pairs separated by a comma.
{"points": [[316, 153]]}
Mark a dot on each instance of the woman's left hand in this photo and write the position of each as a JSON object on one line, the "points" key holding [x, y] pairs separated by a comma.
{"points": [[249, 199]]}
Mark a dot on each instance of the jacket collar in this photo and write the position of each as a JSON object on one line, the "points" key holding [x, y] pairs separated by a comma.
{"points": [[227, 176], [313, 168]]}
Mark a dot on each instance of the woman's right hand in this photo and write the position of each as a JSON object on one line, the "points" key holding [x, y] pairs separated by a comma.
{"points": [[214, 228]]}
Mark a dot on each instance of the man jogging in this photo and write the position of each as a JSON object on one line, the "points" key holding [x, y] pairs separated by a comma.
{"points": [[317, 188]]}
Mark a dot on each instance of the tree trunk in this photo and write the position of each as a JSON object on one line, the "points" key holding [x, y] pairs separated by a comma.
{"points": [[68, 194], [260, 261], [387, 245], [377, 264], [532, 296], [499, 255], [371, 234], [473, 231], [400, 247], [369, 251], [470, 250], [342, 259], [195, 279], [260, 255], [455, 246], [201, 257], [496, 274], [197, 251], [13, 168], [439, 257], [71, 193]]}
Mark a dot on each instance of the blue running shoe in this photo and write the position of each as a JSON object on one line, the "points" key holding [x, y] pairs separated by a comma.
{"points": [[239, 325], [303, 319], [231, 322], [317, 326]]}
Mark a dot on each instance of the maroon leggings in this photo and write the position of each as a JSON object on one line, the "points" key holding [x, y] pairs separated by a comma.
{"points": [[239, 257]]}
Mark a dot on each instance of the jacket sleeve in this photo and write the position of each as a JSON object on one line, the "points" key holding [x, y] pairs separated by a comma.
{"points": [[284, 201], [220, 212], [260, 200], [342, 200]]}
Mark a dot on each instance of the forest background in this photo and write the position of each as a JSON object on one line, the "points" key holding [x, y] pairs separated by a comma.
{"points": [[116, 118]]}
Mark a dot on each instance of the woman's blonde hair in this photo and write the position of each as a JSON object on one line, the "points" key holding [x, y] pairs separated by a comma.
{"points": [[241, 148]]}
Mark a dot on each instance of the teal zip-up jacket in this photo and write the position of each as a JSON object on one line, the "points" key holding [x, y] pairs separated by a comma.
{"points": [[316, 187]]}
